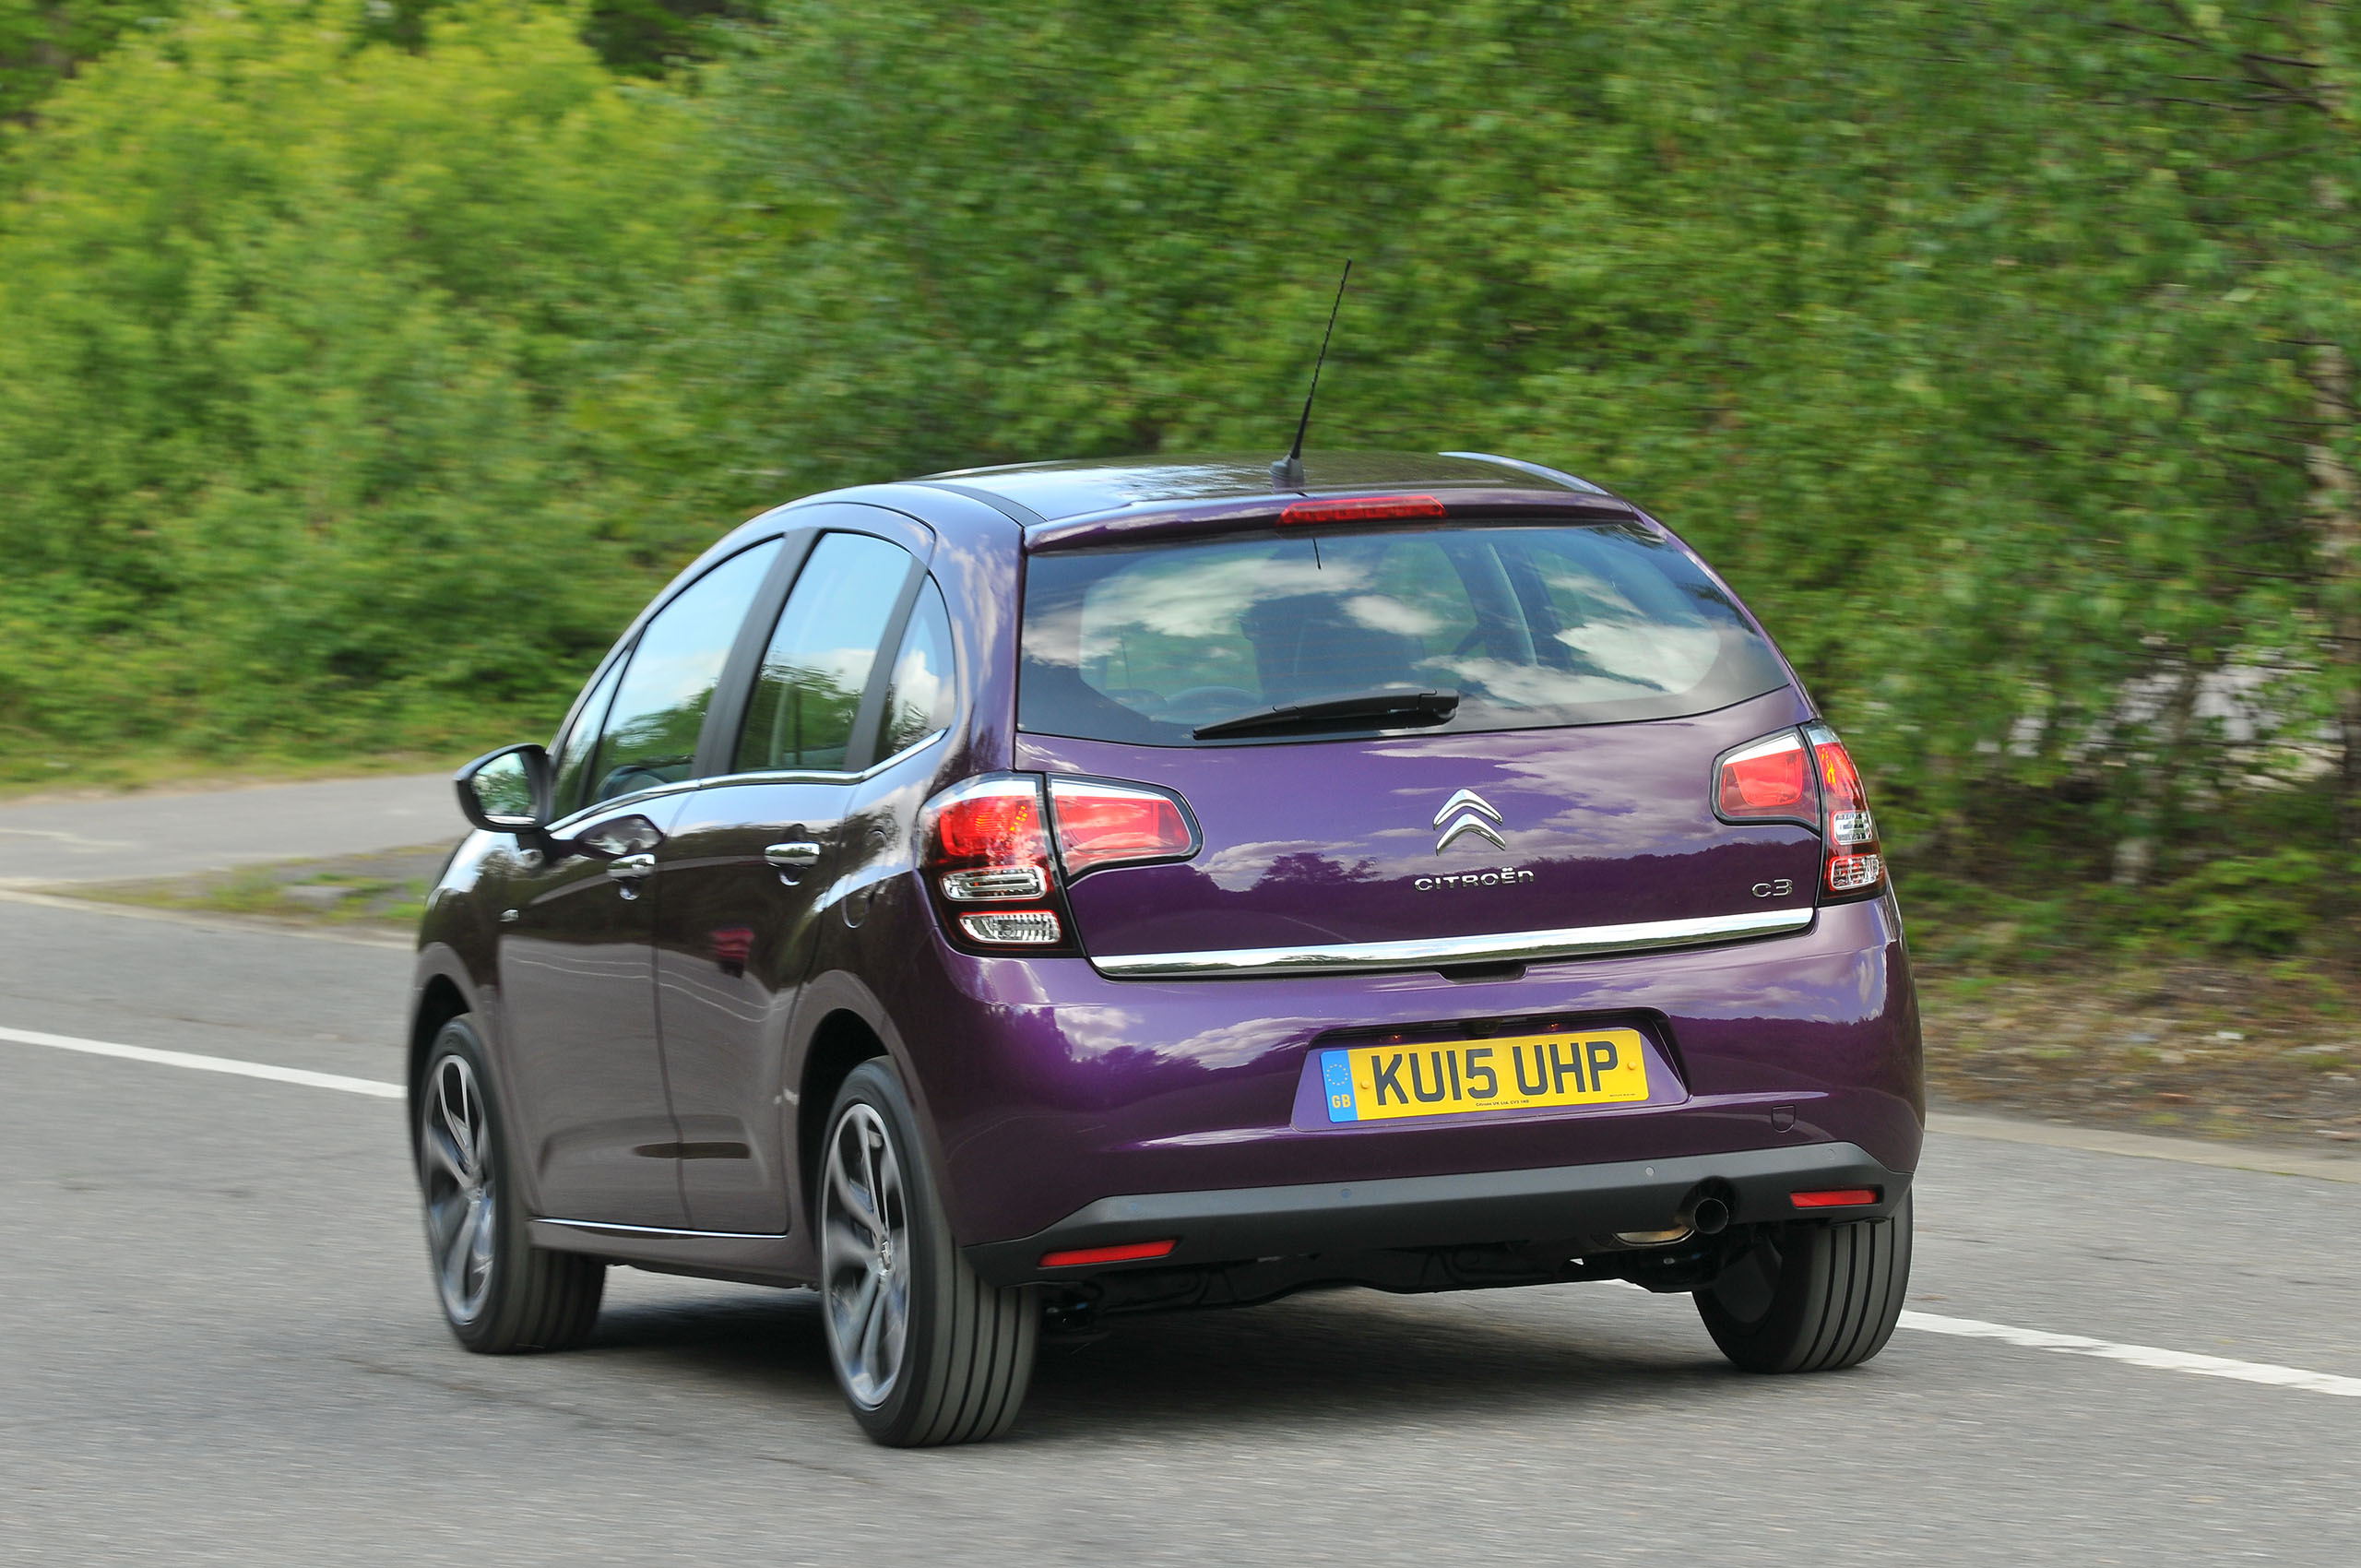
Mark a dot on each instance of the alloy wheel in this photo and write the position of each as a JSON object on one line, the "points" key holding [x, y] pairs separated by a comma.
{"points": [[864, 1255], [461, 1201]]}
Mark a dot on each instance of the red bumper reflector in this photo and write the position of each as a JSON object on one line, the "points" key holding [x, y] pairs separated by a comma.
{"points": [[1835, 1197], [1362, 509], [1130, 1252]]}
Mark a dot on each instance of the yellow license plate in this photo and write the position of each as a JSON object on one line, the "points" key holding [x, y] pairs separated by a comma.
{"points": [[1372, 1083]]}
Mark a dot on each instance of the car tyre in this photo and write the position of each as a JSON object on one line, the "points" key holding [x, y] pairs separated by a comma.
{"points": [[925, 1352], [499, 1293], [1812, 1298]]}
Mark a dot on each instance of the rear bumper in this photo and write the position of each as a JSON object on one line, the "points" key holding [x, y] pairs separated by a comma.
{"points": [[1584, 1204], [1048, 1087]]}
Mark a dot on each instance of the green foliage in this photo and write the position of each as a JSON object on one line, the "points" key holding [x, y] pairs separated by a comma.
{"points": [[641, 37], [644, 36], [1972, 345], [320, 409], [356, 378], [2251, 904], [44, 41]]}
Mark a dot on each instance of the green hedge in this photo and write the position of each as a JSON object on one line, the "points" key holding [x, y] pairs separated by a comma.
{"points": [[1999, 353]]}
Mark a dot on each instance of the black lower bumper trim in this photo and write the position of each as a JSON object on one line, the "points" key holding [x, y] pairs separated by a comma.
{"points": [[1483, 1208]]}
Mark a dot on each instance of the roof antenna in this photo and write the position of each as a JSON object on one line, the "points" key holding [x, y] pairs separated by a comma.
{"points": [[1287, 472]]}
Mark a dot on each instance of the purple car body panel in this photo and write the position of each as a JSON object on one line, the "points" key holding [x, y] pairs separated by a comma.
{"points": [[1046, 1084], [1334, 841], [1051, 1085]]}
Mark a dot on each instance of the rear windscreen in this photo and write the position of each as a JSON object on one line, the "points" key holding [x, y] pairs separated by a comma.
{"points": [[1528, 626]]}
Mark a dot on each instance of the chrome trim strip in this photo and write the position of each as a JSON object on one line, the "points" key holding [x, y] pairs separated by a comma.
{"points": [[1509, 947], [663, 1230], [618, 805], [780, 775], [815, 776]]}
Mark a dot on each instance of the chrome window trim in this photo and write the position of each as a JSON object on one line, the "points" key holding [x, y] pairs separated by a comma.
{"points": [[665, 1230], [619, 804], [781, 776], [1508, 947], [818, 776]]}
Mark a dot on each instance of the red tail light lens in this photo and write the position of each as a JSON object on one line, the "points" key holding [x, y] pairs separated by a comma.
{"points": [[988, 846], [1362, 509], [1834, 1197], [1854, 863], [1768, 779], [1099, 823], [998, 823]]}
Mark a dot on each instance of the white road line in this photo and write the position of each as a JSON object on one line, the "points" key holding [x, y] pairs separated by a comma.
{"points": [[234, 925], [2148, 1356], [2137, 1355], [303, 1075]]}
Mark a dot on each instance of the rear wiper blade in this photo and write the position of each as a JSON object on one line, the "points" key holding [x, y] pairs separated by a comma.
{"points": [[1376, 710]]}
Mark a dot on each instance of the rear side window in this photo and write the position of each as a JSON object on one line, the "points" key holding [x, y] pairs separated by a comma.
{"points": [[650, 736], [919, 701], [1529, 627], [821, 654]]}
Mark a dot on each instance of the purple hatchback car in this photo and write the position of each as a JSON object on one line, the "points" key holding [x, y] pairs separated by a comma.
{"points": [[1017, 897]]}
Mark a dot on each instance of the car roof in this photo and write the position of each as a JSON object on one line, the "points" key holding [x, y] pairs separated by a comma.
{"points": [[1073, 489]]}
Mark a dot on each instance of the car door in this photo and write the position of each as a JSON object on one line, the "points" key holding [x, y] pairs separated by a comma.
{"points": [[585, 1065], [746, 867]]}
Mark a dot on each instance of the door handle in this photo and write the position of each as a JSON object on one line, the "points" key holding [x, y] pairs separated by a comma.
{"points": [[800, 855], [631, 868]]}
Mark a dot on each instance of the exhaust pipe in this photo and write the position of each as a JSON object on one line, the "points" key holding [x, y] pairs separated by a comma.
{"points": [[1706, 1213]]}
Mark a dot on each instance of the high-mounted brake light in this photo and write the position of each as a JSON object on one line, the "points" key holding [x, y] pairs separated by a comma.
{"points": [[1101, 823], [987, 845], [1362, 509], [1854, 864]]}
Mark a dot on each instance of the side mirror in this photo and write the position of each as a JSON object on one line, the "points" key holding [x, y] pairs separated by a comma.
{"points": [[506, 790]]}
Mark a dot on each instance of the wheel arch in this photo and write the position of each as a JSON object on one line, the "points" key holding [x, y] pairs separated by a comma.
{"points": [[440, 998], [841, 1041]]}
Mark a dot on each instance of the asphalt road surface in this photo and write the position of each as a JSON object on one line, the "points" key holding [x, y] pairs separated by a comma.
{"points": [[219, 1343], [165, 833]]}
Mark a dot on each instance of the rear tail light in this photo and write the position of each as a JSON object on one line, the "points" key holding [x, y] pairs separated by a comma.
{"points": [[1767, 780], [995, 882], [1013, 928], [1834, 1197], [987, 844], [1101, 823], [997, 846], [1854, 864], [1806, 777]]}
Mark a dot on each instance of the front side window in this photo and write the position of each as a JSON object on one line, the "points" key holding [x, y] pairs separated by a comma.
{"points": [[573, 753], [650, 736], [1525, 626], [821, 655]]}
